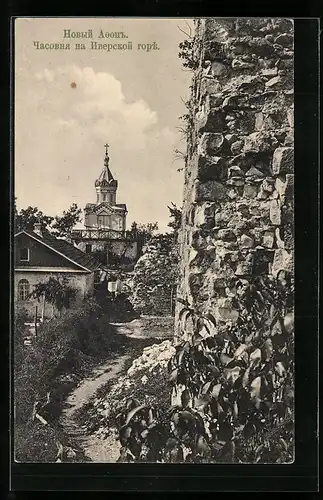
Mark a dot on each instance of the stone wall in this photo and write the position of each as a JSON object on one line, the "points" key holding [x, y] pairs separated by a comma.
{"points": [[238, 194]]}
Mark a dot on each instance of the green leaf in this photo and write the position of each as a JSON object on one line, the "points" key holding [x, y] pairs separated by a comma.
{"points": [[267, 349], [225, 359], [289, 323], [201, 403], [255, 358], [185, 398], [124, 434], [206, 387], [211, 318], [279, 368], [133, 412], [173, 375], [255, 388], [184, 302], [202, 447], [225, 432], [232, 374], [216, 391], [245, 378], [241, 349]]}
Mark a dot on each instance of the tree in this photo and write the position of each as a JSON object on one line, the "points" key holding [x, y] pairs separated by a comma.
{"points": [[155, 276], [144, 231], [59, 226], [56, 291], [63, 225], [26, 218]]}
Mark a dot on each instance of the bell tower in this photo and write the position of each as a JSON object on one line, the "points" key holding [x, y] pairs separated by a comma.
{"points": [[106, 186]]}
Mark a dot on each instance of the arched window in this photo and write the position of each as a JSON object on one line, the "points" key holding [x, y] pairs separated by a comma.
{"points": [[23, 289]]}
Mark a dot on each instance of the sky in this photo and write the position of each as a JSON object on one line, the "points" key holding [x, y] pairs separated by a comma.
{"points": [[131, 99]]}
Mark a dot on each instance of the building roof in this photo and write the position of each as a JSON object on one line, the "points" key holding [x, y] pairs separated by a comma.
{"points": [[66, 249], [106, 177], [94, 206]]}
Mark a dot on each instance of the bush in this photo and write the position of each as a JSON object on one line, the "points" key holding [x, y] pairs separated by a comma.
{"points": [[232, 391], [64, 350]]}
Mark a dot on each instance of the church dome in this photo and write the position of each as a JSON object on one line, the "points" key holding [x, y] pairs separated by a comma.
{"points": [[106, 178]]}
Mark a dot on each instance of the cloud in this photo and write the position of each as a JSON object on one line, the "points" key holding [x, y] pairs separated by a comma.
{"points": [[96, 105]]}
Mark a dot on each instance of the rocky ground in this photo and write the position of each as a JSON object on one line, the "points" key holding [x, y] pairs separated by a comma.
{"points": [[89, 411]]}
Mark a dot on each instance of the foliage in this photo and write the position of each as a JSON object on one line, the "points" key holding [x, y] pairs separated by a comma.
{"points": [[59, 226], [155, 276], [232, 392], [63, 352], [176, 217], [144, 232], [63, 225], [186, 53], [26, 218], [56, 290]]}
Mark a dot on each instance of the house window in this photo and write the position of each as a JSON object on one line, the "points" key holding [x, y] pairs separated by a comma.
{"points": [[24, 254], [23, 289], [88, 248]]}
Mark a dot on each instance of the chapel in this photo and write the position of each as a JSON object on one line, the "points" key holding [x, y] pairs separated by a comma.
{"points": [[106, 214]]}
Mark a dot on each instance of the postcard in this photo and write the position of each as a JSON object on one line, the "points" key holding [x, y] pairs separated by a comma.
{"points": [[154, 240]]}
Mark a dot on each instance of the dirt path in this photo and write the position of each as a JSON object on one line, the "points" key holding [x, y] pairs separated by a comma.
{"points": [[97, 450]]}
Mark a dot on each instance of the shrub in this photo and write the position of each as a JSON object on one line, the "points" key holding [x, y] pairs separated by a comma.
{"points": [[232, 392], [64, 350]]}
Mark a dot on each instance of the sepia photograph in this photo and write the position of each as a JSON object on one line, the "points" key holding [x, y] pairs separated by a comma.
{"points": [[153, 240]]}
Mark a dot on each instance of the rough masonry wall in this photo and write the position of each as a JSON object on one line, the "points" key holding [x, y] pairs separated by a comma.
{"points": [[239, 182]]}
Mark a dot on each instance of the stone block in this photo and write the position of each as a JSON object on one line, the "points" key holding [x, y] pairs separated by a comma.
{"points": [[246, 241], [260, 142], [211, 168], [274, 82], [250, 190], [209, 86], [226, 235], [209, 120], [283, 261], [285, 39], [204, 215], [245, 267], [268, 239], [283, 161], [262, 263], [254, 175], [209, 191], [262, 194], [235, 171], [237, 147], [285, 187], [275, 212], [268, 184], [270, 72], [211, 143], [259, 121]]}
